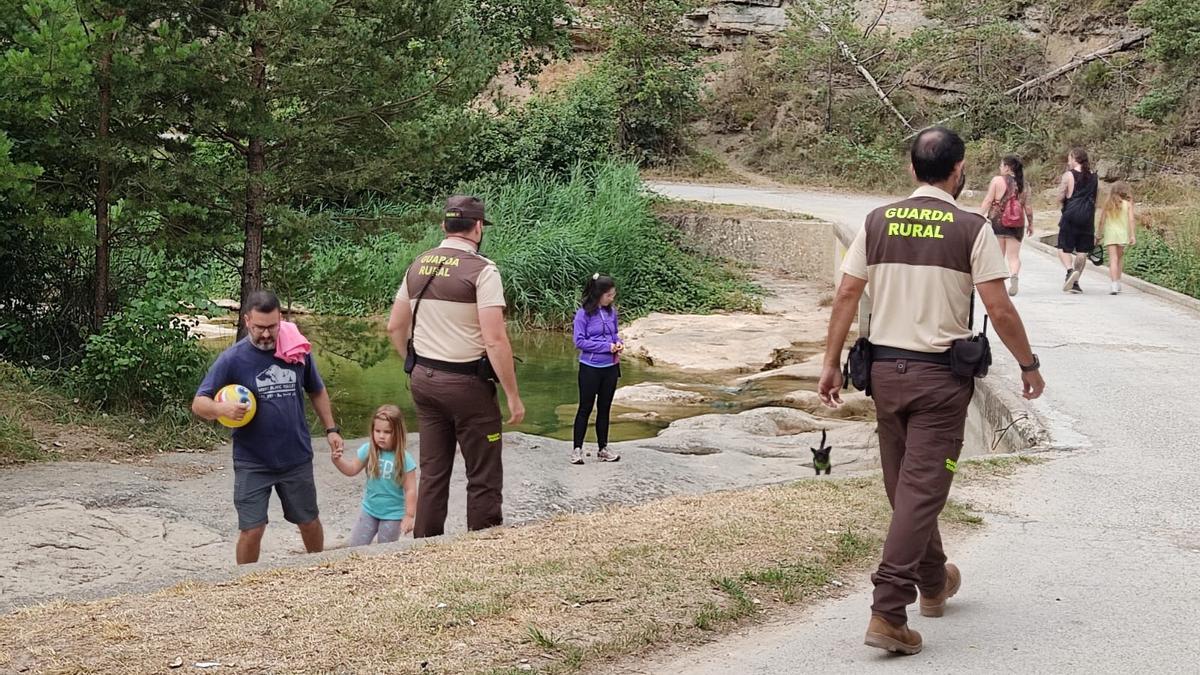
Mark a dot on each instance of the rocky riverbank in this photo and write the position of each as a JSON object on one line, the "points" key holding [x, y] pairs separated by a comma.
{"points": [[738, 409]]}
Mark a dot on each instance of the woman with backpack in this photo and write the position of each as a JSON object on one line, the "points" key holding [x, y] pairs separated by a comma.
{"points": [[1007, 207]]}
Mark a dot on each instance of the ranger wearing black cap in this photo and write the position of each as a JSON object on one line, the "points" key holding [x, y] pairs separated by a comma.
{"points": [[448, 324]]}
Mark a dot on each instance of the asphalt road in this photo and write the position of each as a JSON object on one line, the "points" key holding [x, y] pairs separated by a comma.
{"points": [[1087, 563]]}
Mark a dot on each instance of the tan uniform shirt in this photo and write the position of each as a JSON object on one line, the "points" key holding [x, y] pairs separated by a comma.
{"points": [[921, 258], [447, 324]]}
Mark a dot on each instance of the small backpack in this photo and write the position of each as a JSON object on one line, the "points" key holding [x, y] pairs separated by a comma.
{"points": [[1013, 214]]}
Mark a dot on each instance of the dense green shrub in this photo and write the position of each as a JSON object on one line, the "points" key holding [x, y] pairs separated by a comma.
{"points": [[551, 133], [655, 74], [1169, 259], [550, 234], [144, 356], [357, 277]]}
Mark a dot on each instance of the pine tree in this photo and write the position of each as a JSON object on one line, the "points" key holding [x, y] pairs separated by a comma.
{"points": [[298, 102]]}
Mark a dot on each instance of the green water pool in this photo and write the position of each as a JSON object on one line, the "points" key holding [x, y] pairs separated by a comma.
{"points": [[362, 372]]}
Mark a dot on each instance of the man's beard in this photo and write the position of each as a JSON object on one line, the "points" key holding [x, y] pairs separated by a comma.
{"points": [[264, 346], [962, 183]]}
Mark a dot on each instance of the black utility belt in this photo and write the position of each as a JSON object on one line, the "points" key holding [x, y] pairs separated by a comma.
{"points": [[481, 368], [882, 353], [968, 357]]}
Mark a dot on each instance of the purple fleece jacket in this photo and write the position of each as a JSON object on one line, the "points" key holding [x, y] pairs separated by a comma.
{"points": [[594, 334]]}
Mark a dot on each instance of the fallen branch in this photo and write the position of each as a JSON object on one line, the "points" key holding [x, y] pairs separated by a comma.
{"points": [[871, 28], [846, 52], [874, 56], [1118, 46], [939, 88], [1157, 165]]}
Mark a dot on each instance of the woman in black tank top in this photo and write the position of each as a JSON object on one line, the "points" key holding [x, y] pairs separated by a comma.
{"points": [[1077, 226]]}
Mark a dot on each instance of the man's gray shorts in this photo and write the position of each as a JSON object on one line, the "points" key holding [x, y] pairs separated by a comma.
{"points": [[252, 485]]}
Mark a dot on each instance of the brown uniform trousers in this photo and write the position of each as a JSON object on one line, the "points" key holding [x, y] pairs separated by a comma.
{"points": [[921, 410], [457, 409]]}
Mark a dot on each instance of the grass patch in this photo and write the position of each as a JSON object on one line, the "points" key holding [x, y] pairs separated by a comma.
{"points": [[17, 445], [996, 467], [700, 164], [672, 573], [960, 513], [544, 639], [1169, 256], [793, 581], [737, 604], [39, 422], [851, 547]]}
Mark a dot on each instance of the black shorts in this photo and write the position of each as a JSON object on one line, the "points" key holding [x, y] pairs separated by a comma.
{"points": [[1017, 233], [252, 485], [1073, 240]]}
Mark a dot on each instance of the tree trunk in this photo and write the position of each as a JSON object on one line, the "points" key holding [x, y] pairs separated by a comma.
{"points": [[103, 186], [256, 164], [829, 89], [252, 250]]}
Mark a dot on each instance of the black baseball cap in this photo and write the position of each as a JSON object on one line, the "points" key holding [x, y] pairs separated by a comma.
{"points": [[466, 206]]}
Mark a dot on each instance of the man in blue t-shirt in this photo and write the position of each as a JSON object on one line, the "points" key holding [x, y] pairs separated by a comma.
{"points": [[274, 450]]}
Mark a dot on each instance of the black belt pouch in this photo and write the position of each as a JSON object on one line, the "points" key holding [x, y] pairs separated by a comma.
{"points": [[857, 370], [971, 357]]}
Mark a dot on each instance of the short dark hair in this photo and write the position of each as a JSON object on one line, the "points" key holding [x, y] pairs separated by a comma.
{"points": [[261, 301], [459, 225], [935, 152]]}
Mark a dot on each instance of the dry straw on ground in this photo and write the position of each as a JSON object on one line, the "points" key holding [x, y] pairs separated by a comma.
{"points": [[547, 597]]}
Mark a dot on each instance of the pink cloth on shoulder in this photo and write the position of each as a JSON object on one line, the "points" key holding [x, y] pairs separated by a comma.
{"points": [[290, 345]]}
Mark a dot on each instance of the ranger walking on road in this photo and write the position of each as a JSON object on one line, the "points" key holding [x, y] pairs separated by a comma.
{"points": [[923, 258]]}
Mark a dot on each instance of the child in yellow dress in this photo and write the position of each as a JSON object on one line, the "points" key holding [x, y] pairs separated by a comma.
{"points": [[1117, 230]]}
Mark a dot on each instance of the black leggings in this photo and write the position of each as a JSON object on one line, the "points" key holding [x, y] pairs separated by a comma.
{"points": [[595, 383]]}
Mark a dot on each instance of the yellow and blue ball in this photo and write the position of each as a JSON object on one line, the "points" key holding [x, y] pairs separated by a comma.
{"points": [[240, 394]]}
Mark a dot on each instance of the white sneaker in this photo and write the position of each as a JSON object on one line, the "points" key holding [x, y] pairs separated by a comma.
{"points": [[1012, 285], [1115, 288], [577, 456]]}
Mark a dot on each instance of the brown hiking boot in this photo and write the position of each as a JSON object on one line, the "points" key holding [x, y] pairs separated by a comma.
{"points": [[936, 605], [883, 634]]}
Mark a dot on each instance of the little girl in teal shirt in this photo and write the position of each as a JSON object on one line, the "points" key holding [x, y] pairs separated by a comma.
{"points": [[389, 503]]}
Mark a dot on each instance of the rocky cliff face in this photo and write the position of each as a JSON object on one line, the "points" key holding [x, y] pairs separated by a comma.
{"points": [[729, 23]]}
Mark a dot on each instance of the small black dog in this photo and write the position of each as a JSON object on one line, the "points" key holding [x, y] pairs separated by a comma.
{"points": [[821, 456]]}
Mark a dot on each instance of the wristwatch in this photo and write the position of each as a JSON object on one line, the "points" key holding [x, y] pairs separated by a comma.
{"points": [[1033, 366], [335, 429]]}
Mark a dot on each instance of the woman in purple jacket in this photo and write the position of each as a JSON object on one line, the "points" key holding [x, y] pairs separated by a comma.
{"points": [[599, 363]]}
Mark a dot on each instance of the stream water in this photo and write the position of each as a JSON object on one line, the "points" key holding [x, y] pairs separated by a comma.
{"points": [[362, 372]]}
